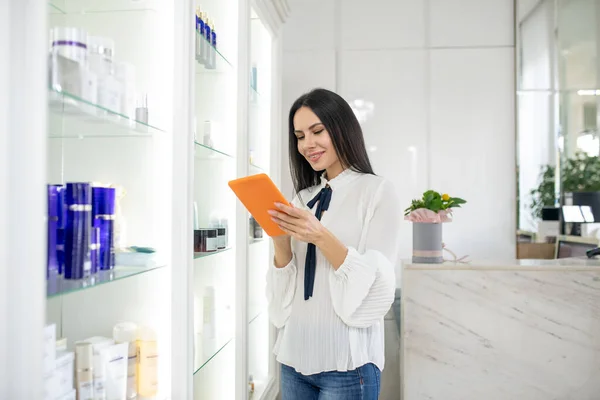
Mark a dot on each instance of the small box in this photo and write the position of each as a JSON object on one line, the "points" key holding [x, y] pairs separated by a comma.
{"points": [[49, 349], [67, 75], [50, 387], [72, 395], [64, 372]]}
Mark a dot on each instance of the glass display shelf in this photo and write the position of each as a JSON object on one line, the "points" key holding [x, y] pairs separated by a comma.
{"points": [[206, 349], [259, 389], [254, 313], [70, 116], [58, 286], [255, 97], [577, 91], [104, 6], [205, 152], [254, 169], [202, 361], [211, 253], [53, 8], [221, 64]]}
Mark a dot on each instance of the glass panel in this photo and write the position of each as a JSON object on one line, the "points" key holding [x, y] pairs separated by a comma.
{"points": [[215, 135], [109, 83], [258, 351], [259, 250]]}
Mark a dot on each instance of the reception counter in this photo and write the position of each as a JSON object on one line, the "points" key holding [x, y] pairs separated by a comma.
{"points": [[516, 330]]}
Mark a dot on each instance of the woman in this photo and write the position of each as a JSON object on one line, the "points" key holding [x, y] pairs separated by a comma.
{"points": [[333, 279]]}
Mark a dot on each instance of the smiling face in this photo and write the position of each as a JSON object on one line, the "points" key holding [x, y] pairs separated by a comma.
{"points": [[314, 143]]}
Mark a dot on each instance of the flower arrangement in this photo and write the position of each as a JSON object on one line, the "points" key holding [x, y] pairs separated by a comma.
{"points": [[433, 208]]}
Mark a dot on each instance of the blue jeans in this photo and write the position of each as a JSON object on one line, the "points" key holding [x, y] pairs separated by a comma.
{"points": [[360, 384]]}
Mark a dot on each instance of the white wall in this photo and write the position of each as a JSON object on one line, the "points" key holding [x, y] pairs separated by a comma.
{"points": [[440, 74]]}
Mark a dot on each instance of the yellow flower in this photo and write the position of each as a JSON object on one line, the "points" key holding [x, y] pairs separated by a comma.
{"points": [[445, 197]]}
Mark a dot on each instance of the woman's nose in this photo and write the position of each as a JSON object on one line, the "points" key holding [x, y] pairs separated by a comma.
{"points": [[309, 142]]}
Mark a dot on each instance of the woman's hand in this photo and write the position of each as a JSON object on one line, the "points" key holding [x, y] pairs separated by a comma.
{"points": [[300, 224]]}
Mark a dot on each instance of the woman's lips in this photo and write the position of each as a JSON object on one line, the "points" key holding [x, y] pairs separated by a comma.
{"points": [[314, 157]]}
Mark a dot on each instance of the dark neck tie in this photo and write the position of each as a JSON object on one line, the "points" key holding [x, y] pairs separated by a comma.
{"points": [[310, 264]]}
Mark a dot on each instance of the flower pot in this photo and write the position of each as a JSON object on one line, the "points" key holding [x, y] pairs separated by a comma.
{"points": [[427, 243]]}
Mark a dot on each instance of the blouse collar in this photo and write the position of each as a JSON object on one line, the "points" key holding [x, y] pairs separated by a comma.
{"points": [[342, 179]]}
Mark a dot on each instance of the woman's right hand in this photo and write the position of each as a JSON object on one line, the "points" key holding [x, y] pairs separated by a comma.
{"points": [[283, 250]]}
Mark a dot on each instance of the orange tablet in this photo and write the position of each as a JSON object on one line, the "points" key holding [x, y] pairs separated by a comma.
{"points": [[259, 194]]}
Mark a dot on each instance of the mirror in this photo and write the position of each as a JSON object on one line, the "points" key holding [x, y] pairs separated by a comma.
{"points": [[558, 93]]}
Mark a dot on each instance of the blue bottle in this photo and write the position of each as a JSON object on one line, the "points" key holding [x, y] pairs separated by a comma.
{"points": [[53, 213], [103, 215], [95, 250], [60, 229], [213, 50], [207, 47], [78, 202]]}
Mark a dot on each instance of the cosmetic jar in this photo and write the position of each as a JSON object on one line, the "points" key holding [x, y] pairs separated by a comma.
{"points": [[205, 240], [103, 218], [71, 43], [78, 200], [221, 238]]}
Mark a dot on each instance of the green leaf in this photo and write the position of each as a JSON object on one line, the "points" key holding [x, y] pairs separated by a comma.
{"points": [[457, 200], [436, 205]]}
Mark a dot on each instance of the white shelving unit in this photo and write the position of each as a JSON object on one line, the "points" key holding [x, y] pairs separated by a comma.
{"points": [[207, 308], [232, 334]]}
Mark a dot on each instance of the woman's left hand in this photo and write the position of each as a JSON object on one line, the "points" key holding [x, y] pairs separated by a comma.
{"points": [[300, 224]]}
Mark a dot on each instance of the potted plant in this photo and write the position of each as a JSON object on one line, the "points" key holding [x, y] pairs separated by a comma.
{"points": [[580, 173], [427, 215]]}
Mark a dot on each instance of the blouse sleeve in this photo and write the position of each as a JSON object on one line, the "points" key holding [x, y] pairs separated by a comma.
{"points": [[280, 290], [281, 286], [363, 287]]}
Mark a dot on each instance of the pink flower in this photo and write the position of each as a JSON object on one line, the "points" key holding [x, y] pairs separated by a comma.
{"points": [[424, 215]]}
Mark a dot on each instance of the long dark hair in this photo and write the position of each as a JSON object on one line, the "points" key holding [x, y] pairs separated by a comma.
{"points": [[345, 132]]}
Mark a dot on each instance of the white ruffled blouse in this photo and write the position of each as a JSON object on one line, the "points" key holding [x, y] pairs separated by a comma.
{"points": [[341, 326]]}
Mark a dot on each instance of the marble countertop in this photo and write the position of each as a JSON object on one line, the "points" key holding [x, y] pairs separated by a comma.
{"points": [[563, 264]]}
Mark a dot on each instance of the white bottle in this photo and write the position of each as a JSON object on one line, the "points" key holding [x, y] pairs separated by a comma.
{"points": [[209, 311], [127, 332], [125, 74], [84, 371], [100, 61], [99, 363], [120, 226], [207, 139]]}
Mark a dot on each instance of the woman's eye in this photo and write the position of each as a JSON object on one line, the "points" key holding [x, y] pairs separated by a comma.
{"points": [[300, 137], [317, 132]]}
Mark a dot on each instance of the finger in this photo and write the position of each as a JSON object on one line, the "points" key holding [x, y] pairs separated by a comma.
{"points": [[293, 234], [283, 224], [282, 216], [294, 212]]}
